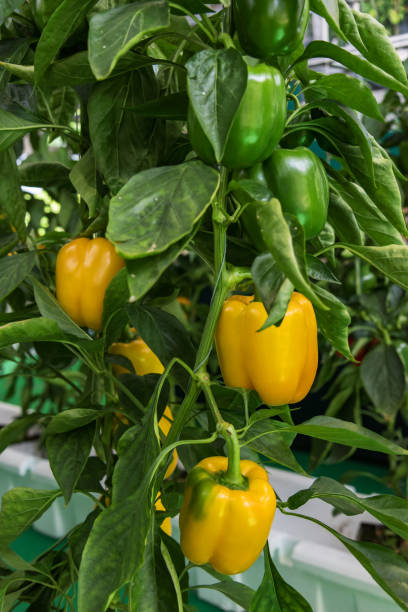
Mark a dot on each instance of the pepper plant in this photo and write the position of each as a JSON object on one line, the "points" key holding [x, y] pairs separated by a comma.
{"points": [[146, 126]]}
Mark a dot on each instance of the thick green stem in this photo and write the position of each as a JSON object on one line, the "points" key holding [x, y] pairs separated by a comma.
{"points": [[233, 476]]}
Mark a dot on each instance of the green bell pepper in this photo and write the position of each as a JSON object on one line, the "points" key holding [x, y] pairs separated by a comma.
{"points": [[267, 28], [298, 179], [258, 124]]}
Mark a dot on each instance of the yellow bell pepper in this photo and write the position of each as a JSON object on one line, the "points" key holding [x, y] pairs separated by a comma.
{"points": [[83, 272], [166, 524], [144, 362], [280, 363], [226, 527]]}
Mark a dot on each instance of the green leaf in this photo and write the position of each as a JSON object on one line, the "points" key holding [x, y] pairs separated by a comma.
{"points": [[343, 432], [383, 376], [112, 33], [67, 453], [11, 50], [173, 106], [79, 536], [213, 77], [162, 332], [237, 592], [329, 10], [14, 431], [355, 63], [72, 419], [114, 550], [334, 322], [388, 569], [392, 260], [343, 219], [11, 197], [145, 271], [20, 508], [43, 174], [157, 207], [391, 510], [32, 330], [385, 192], [349, 91], [83, 178], [368, 216], [372, 40], [276, 595], [13, 270], [123, 143], [13, 128], [61, 24], [320, 271], [280, 305], [49, 307], [289, 254], [116, 295], [267, 277], [7, 7], [91, 476]]}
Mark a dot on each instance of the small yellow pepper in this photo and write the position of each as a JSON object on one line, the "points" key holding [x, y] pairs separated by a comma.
{"points": [[83, 272], [144, 362], [222, 526], [280, 363]]}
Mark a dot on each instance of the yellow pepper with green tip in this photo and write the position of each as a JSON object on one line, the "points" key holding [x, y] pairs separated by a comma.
{"points": [[144, 362], [226, 527], [280, 363], [83, 272]]}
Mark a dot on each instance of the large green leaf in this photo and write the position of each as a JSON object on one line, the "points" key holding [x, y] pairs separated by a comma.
{"points": [[355, 63], [7, 7], [123, 143], [62, 23], [112, 33], [14, 431], [214, 76], [372, 40], [20, 507], [329, 10], [73, 418], [32, 330], [391, 510], [288, 253], [13, 128], [83, 178], [274, 594], [383, 376], [67, 453], [392, 260], [157, 207], [369, 217], [334, 322], [13, 270], [43, 174], [11, 50], [349, 91]]}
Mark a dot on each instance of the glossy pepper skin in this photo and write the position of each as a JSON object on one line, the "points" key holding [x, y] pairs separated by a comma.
{"points": [[267, 28], [280, 363], [225, 527], [83, 272], [257, 126], [298, 179], [144, 362]]}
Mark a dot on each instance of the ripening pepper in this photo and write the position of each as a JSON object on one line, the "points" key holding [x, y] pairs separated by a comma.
{"points": [[144, 362], [83, 272], [257, 126], [298, 179], [280, 363], [267, 28], [166, 524], [223, 526]]}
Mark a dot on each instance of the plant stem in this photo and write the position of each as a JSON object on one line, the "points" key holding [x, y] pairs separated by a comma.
{"points": [[233, 476]]}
